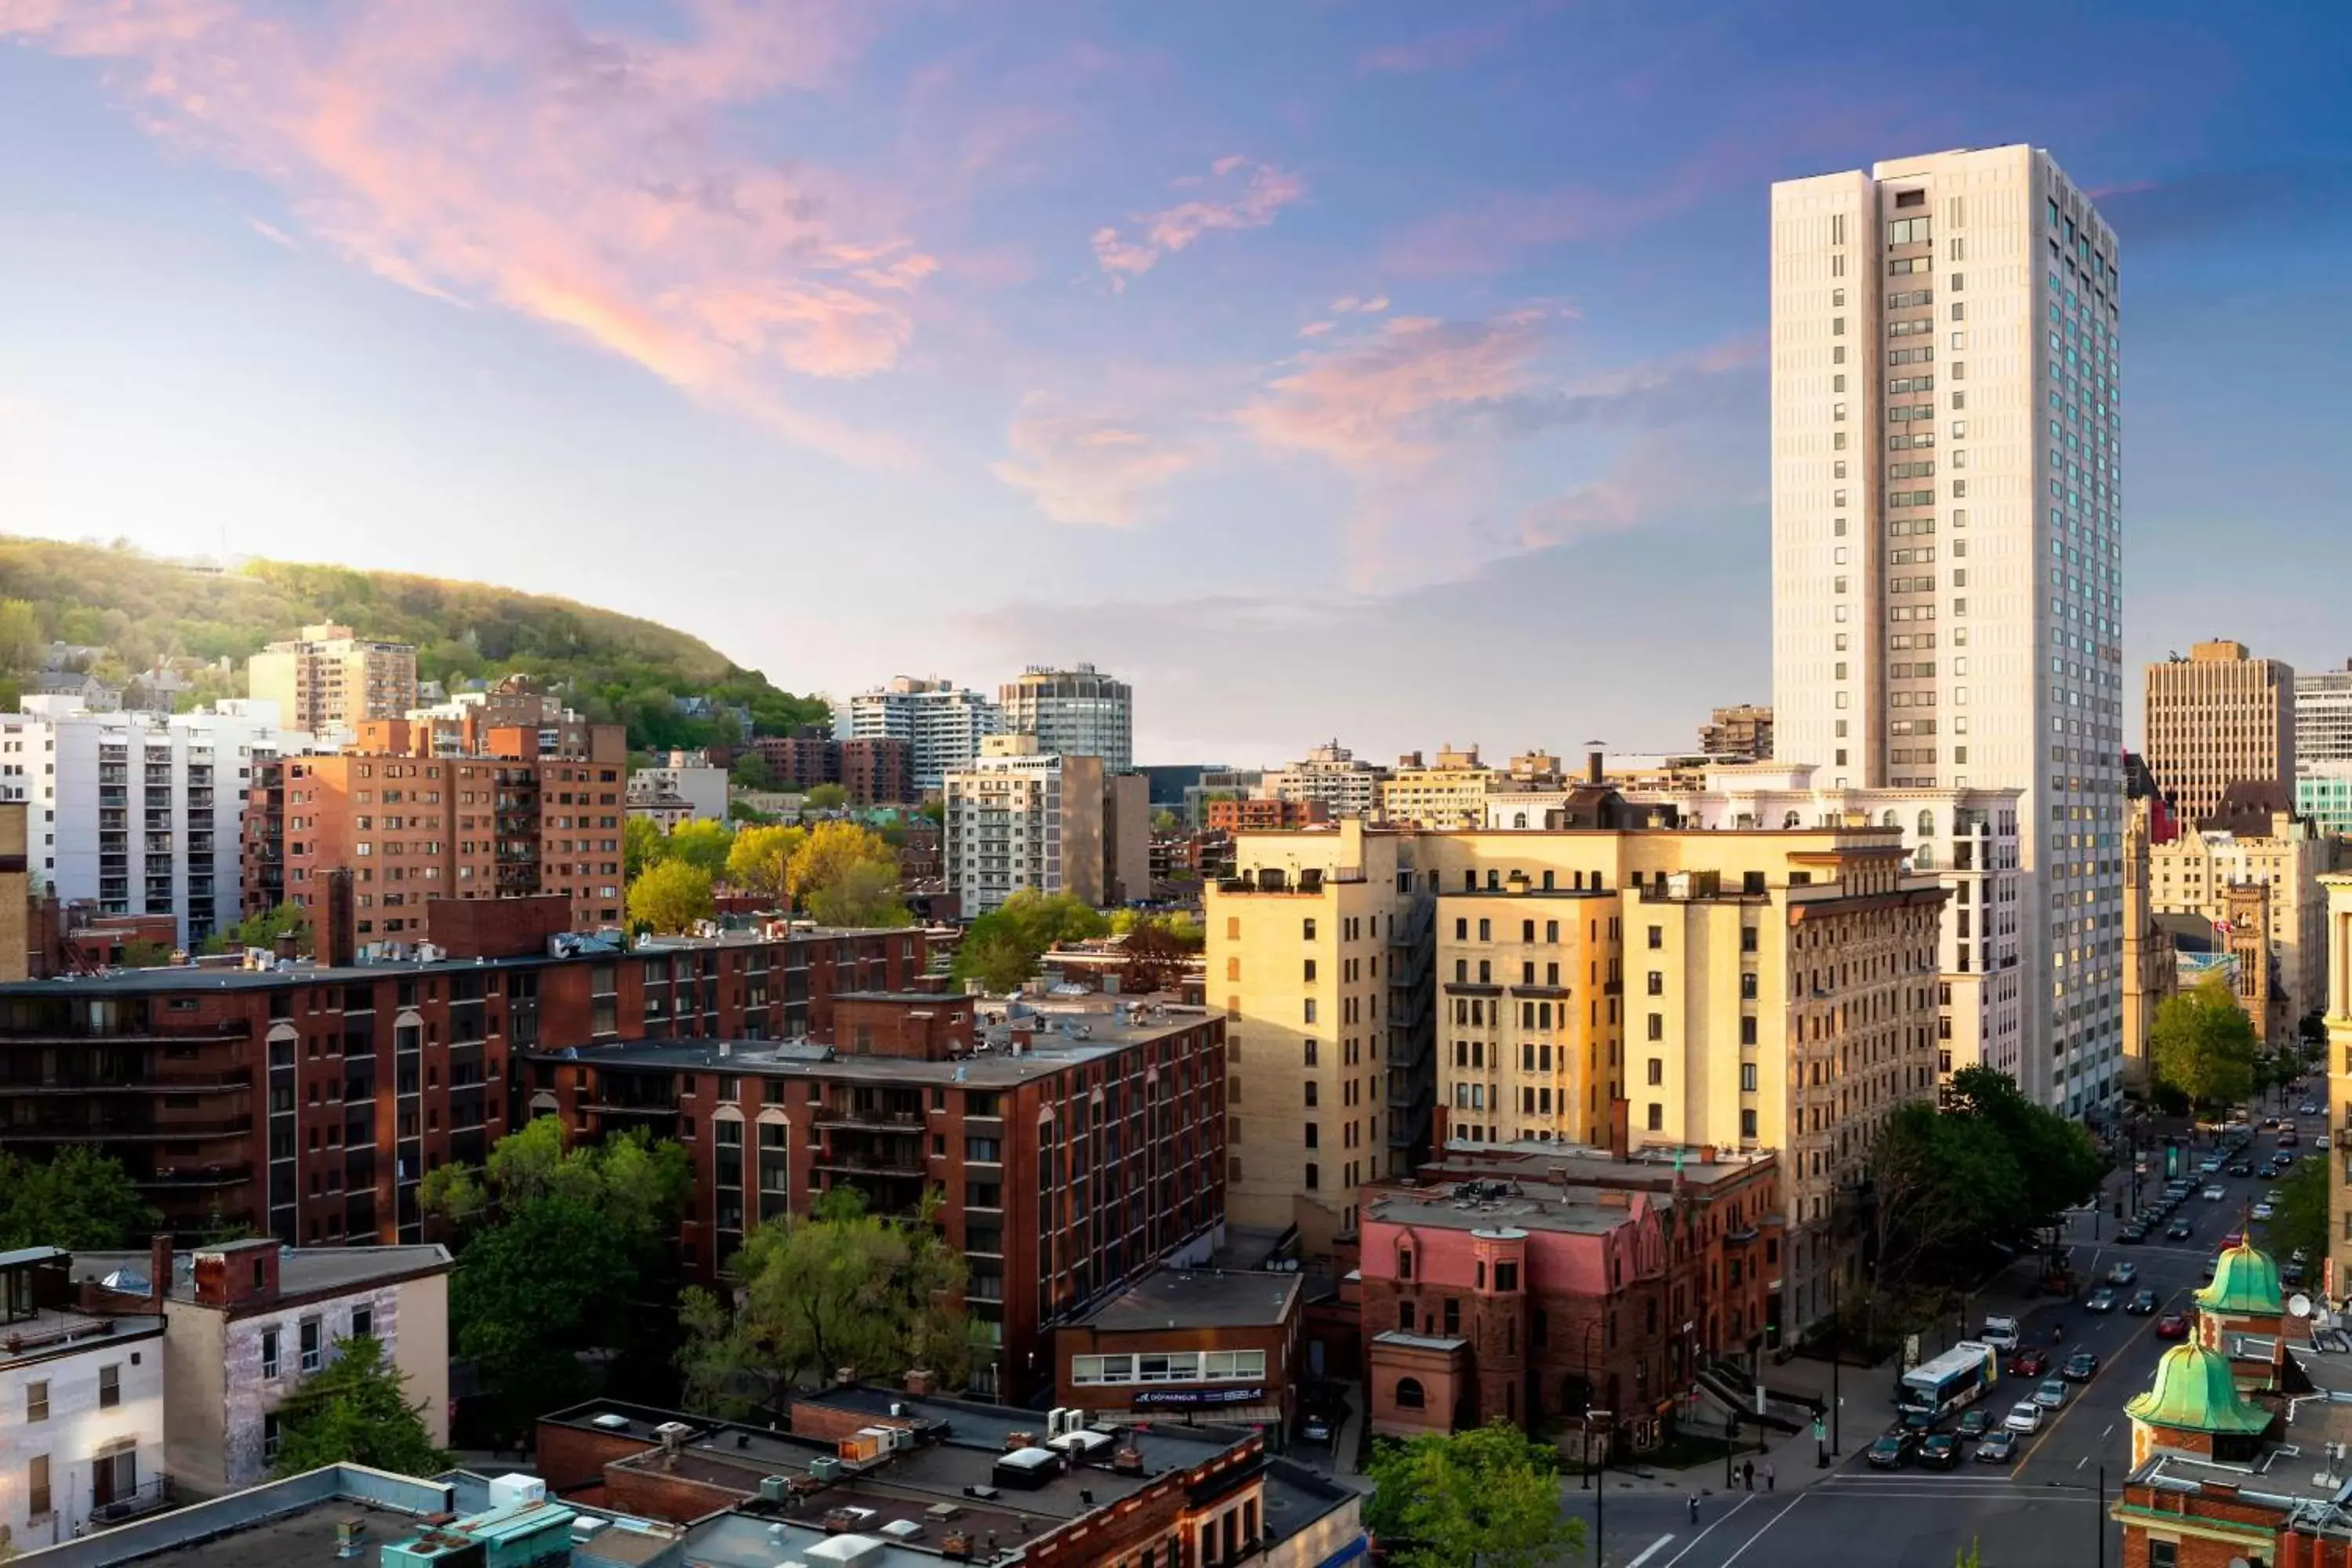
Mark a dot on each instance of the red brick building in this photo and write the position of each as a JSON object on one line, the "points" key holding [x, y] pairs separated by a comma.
{"points": [[1220, 1344], [799, 761], [1263, 816], [414, 819], [1070, 1150], [307, 1102], [878, 770]]}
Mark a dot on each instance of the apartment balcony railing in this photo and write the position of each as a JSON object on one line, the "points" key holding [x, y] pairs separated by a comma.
{"points": [[84, 1129]]}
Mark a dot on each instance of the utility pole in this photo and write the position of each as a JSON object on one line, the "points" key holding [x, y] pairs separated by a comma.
{"points": [[1837, 1361], [1601, 1487]]}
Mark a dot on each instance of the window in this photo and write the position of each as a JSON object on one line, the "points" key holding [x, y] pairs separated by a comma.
{"points": [[1746, 1031], [1314, 1177], [1657, 1117], [2163, 1553], [363, 1317], [1657, 982], [312, 1346], [1747, 988], [1409, 1396], [1657, 936], [269, 1353], [1307, 929], [1657, 1027], [36, 1402], [271, 1437], [1506, 1275], [1747, 1077], [1404, 1262], [36, 1484], [1747, 1123], [1657, 1070]]}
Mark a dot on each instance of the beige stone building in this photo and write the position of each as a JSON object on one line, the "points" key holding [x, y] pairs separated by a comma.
{"points": [[16, 933], [1764, 989], [2151, 971], [2217, 717], [2194, 875], [1744, 730], [328, 680], [1021, 819], [1450, 793]]}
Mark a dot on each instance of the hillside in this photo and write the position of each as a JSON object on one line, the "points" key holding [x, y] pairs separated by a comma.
{"points": [[141, 608]]}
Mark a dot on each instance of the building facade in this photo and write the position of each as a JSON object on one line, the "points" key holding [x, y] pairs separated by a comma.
{"points": [[1944, 325], [2337, 1279], [1069, 1150], [1181, 1342], [2197, 873], [1450, 793], [878, 771], [1018, 819], [1263, 816], [941, 724], [2151, 965], [327, 681], [2323, 793], [1330, 776], [2217, 717], [2322, 720], [1078, 712], [81, 1440], [1743, 731], [138, 812], [799, 761]]}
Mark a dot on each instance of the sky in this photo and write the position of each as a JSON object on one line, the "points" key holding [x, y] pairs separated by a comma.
{"points": [[1387, 372]]}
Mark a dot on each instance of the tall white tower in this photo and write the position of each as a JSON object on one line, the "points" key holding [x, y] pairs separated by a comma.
{"points": [[1947, 555]]}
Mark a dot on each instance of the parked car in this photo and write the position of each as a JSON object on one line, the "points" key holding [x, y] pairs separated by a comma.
{"points": [[2000, 1334], [2172, 1326], [2000, 1448], [2263, 1210], [2028, 1363], [2024, 1416], [2306, 1108], [2100, 1301], [1315, 1430], [2050, 1392], [1893, 1451], [1975, 1422], [2243, 1168], [1940, 1452], [2142, 1304], [2123, 1274], [2179, 1230], [2081, 1367], [2216, 1193]]}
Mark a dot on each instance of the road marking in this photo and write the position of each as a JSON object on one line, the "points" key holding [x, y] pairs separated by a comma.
{"points": [[1649, 1551], [2049, 1427], [1721, 1520], [2110, 1431], [2085, 1460], [1768, 1524]]}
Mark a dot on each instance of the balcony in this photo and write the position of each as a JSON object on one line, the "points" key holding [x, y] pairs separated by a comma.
{"points": [[194, 1177], [851, 1116], [179, 1083], [122, 1129], [135, 1029]]}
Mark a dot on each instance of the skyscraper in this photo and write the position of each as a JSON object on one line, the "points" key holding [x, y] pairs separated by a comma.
{"points": [[940, 724], [2322, 723], [2217, 717], [1077, 712], [1945, 402], [328, 682]]}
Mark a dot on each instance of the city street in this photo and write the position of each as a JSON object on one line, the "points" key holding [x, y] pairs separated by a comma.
{"points": [[2044, 1509]]}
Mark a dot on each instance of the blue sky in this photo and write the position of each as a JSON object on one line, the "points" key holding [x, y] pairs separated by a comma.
{"points": [[1385, 370]]}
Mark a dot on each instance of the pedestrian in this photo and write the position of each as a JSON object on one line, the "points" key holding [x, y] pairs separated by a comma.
{"points": [[1768, 1475], [1694, 1508], [1747, 1473]]}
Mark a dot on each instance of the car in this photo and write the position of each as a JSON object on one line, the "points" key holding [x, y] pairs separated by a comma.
{"points": [[2028, 1362], [2142, 1304], [1975, 1422], [2212, 1264], [2210, 1164], [1893, 1451], [2216, 1193], [2123, 1274], [2283, 1159], [1315, 1430], [2179, 1230], [2235, 1238], [1917, 1420], [2291, 1275], [1999, 1447], [2172, 1326], [2131, 1236], [2263, 1210], [2024, 1416], [2081, 1367], [2320, 1142], [2100, 1301], [2288, 1138], [2000, 1334], [2270, 1122], [2243, 1168], [2269, 1172], [2306, 1108], [2050, 1392], [1940, 1452]]}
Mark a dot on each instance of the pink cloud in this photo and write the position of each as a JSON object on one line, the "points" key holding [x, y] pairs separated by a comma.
{"points": [[1091, 469], [1263, 193], [1376, 401], [497, 151], [1657, 473]]}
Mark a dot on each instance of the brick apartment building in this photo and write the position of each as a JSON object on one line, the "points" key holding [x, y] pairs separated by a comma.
{"points": [[1072, 1148], [414, 820], [1264, 816], [878, 770], [799, 761], [307, 1102]]}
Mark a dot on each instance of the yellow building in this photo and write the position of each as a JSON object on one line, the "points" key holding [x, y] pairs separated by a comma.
{"points": [[1744, 989], [2287, 854], [2336, 1278], [327, 681], [1451, 793]]}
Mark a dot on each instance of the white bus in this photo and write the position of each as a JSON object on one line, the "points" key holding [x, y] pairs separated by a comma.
{"points": [[1958, 1377]]}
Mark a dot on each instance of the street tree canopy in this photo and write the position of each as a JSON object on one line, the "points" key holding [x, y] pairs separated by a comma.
{"points": [[354, 1411], [2203, 1046], [1483, 1498], [758, 861], [671, 897], [843, 874], [1001, 949], [78, 1199], [703, 845]]}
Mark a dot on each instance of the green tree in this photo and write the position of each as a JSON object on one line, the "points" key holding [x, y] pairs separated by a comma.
{"points": [[263, 929], [643, 846], [354, 1411], [751, 770], [146, 955], [826, 798], [1946, 1188], [2203, 1046], [835, 1287], [864, 895], [2061, 1165], [843, 874], [703, 845], [1483, 1498], [995, 958], [759, 861], [78, 1199], [1001, 949], [1165, 821], [2299, 1211], [671, 897], [21, 642]]}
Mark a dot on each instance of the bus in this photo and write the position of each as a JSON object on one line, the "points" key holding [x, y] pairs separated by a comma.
{"points": [[1958, 1377]]}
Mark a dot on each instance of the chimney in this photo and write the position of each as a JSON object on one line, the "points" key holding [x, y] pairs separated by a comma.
{"points": [[1620, 1134], [337, 943], [1592, 767], [921, 1382], [159, 1268]]}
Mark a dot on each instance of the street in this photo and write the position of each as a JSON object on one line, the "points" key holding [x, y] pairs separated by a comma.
{"points": [[2044, 1509]]}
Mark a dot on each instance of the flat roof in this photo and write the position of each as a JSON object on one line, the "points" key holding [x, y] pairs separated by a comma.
{"points": [[1582, 1165], [49, 1333], [1559, 1216], [301, 1271], [1198, 1298]]}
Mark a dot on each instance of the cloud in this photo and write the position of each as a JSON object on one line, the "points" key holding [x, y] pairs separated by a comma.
{"points": [[1092, 468], [1381, 401], [1495, 234], [1724, 379], [1448, 48], [1251, 200], [1659, 474], [499, 153]]}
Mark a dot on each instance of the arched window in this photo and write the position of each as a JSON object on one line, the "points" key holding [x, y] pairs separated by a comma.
{"points": [[1409, 1396], [1887, 820], [1926, 825], [1519, 819], [1790, 820]]}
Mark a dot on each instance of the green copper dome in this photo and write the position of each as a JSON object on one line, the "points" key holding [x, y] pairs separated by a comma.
{"points": [[2193, 1390], [2246, 1281]]}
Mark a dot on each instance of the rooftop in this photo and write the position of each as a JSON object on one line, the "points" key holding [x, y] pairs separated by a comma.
{"points": [[1445, 1211], [301, 1271], [1176, 1298], [2293, 1473], [1585, 1165], [50, 1332], [269, 1526]]}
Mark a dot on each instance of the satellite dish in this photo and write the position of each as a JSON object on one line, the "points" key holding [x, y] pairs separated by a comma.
{"points": [[2298, 1305]]}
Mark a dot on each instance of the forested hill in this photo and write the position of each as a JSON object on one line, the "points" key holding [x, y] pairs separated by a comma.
{"points": [[141, 608]]}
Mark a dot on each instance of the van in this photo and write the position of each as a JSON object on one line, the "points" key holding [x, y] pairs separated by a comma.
{"points": [[2000, 1334]]}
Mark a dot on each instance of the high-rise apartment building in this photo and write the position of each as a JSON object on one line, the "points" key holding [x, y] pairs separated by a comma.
{"points": [[2217, 717], [1602, 983], [1018, 819], [1077, 712], [328, 682], [1945, 407], [1744, 730], [2322, 722], [941, 724], [877, 770], [138, 812], [1450, 793], [1342, 782]]}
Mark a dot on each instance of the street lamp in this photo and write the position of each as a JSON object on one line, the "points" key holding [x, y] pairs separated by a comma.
{"points": [[1584, 1477], [1601, 1490]]}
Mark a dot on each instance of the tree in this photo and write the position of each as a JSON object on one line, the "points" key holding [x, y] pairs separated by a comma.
{"points": [[1945, 1187], [263, 929], [843, 874], [996, 958], [1155, 959], [826, 798], [1001, 948], [835, 1287], [22, 644], [353, 1412], [2061, 1165], [643, 846], [79, 1199], [703, 845], [1165, 821], [761, 858], [146, 955], [671, 897], [2203, 1046], [751, 771], [1483, 1498], [2299, 1211]]}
